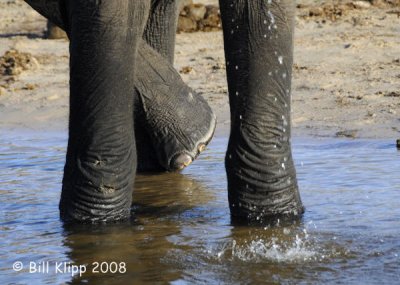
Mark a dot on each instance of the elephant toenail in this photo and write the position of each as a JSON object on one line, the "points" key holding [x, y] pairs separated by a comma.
{"points": [[201, 147], [180, 161]]}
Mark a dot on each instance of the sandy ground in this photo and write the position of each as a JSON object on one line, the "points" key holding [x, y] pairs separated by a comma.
{"points": [[346, 71]]}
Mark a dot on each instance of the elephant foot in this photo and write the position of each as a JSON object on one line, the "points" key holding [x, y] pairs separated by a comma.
{"points": [[169, 139], [262, 180], [185, 157], [174, 124], [176, 155]]}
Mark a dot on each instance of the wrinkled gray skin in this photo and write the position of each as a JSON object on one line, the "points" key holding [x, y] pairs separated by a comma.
{"points": [[117, 78]]}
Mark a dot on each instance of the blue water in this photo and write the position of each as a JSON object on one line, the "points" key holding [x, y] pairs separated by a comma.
{"points": [[182, 233]]}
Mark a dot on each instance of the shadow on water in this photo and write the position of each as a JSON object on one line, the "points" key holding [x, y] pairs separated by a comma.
{"points": [[182, 233]]}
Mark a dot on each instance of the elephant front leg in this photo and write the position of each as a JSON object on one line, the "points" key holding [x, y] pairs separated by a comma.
{"points": [[173, 123], [101, 156], [258, 37], [160, 31]]}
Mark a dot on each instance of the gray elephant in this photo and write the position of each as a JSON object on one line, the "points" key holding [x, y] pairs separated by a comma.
{"points": [[129, 107]]}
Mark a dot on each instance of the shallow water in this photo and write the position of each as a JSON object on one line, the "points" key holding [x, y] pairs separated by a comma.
{"points": [[182, 231]]}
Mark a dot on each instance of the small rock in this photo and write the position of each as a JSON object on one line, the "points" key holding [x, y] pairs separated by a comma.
{"points": [[186, 24], [186, 69], [30, 86], [212, 19], [361, 4], [316, 11], [347, 134], [196, 11], [199, 17], [14, 62], [217, 66]]}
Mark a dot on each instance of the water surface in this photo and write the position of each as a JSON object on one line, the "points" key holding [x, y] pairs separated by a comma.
{"points": [[182, 231]]}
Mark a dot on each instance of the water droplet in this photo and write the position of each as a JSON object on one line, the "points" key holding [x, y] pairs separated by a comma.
{"points": [[265, 22], [237, 93], [284, 75], [240, 117], [271, 16], [269, 1], [236, 67], [270, 73], [280, 59], [275, 99], [265, 35], [283, 166]]}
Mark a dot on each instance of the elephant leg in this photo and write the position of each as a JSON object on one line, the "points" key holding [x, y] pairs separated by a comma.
{"points": [[161, 27], [101, 155], [258, 37], [167, 138], [159, 34], [172, 120], [53, 10], [179, 121]]}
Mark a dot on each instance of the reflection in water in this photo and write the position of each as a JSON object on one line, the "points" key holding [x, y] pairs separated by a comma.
{"points": [[160, 203], [181, 230]]}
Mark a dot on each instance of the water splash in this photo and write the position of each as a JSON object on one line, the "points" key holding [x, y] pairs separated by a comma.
{"points": [[261, 250]]}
